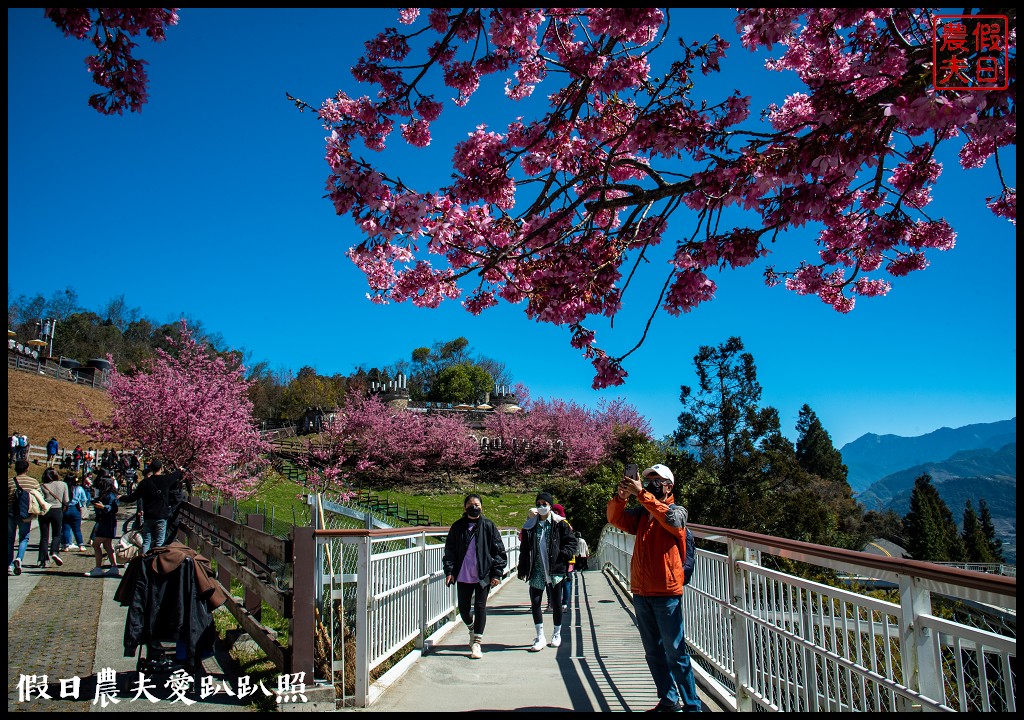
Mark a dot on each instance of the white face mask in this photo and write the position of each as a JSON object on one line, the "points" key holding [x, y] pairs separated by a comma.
{"points": [[543, 510]]}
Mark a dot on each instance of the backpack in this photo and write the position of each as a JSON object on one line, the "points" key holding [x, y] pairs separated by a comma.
{"points": [[22, 441], [691, 558], [19, 504]]}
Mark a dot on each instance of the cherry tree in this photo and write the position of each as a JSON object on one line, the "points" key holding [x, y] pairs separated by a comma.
{"points": [[114, 65], [562, 210], [190, 408], [565, 210], [369, 438], [558, 435]]}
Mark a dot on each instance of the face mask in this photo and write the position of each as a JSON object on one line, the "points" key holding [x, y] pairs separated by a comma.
{"points": [[655, 488], [473, 512], [543, 510]]}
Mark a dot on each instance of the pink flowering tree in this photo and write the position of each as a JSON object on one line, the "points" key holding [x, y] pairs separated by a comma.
{"points": [[114, 66], [563, 210], [190, 408], [369, 439], [556, 435], [560, 211]]}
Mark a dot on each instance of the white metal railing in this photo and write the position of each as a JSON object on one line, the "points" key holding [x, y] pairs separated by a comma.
{"points": [[765, 639], [381, 597]]}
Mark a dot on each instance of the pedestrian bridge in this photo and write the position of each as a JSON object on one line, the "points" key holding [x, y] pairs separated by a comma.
{"points": [[765, 637]]}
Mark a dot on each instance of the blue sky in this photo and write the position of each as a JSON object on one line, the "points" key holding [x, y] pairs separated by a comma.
{"points": [[209, 204]]}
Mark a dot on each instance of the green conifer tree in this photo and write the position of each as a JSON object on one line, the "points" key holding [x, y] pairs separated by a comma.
{"points": [[988, 528]]}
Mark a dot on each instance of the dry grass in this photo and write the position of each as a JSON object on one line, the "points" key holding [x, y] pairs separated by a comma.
{"points": [[42, 407]]}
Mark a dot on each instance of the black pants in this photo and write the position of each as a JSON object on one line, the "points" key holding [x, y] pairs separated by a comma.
{"points": [[51, 531], [473, 604], [554, 592]]}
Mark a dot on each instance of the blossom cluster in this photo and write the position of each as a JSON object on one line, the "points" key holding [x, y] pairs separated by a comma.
{"points": [[551, 210]]}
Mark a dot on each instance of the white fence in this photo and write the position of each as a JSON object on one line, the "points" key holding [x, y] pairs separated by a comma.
{"points": [[381, 597], [768, 640]]}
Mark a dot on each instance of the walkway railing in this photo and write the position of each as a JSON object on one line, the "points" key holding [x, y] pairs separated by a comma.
{"points": [[773, 641]]}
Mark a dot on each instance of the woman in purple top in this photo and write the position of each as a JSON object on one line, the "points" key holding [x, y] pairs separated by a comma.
{"points": [[474, 560]]}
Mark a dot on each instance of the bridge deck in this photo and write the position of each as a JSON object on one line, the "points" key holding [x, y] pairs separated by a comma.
{"points": [[599, 667]]}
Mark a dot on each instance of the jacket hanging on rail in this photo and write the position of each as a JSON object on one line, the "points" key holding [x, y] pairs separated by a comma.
{"points": [[170, 595]]}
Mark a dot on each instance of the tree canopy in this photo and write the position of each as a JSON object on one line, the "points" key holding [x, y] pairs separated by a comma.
{"points": [[563, 210]]}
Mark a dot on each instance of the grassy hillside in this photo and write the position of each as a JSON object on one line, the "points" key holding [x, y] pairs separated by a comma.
{"points": [[42, 407]]}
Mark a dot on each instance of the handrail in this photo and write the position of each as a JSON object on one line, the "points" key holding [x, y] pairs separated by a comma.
{"points": [[764, 638], [937, 577]]}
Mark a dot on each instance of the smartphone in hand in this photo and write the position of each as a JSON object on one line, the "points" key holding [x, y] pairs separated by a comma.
{"points": [[631, 470]]}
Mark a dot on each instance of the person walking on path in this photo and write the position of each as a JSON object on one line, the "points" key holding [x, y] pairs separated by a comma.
{"points": [[474, 560], [566, 597], [582, 552], [106, 527], [51, 523], [157, 493], [17, 527], [546, 546], [79, 501], [52, 447], [656, 579]]}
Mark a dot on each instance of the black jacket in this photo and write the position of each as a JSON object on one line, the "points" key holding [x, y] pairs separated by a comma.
{"points": [[491, 557], [561, 549], [159, 494], [170, 596]]}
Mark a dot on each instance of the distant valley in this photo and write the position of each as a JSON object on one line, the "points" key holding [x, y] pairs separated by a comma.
{"points": [[967, 463]]}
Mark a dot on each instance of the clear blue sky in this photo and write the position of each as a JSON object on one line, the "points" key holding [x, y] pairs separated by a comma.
{"points": [[209, 204]]}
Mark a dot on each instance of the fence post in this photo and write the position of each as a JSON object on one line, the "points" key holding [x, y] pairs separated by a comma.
{"points": [[741, 651], [303, 602], [921, 671], [223, 576], [363, 603], [421, 542], [253, 603]]}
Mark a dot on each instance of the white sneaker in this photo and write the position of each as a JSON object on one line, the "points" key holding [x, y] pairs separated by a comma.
{"points": [[95, 572], [57, 559], [556, 638], [476, 652], [538, 644]]}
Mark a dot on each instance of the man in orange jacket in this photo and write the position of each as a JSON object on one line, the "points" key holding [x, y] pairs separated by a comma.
{"points": [[656, 579]]}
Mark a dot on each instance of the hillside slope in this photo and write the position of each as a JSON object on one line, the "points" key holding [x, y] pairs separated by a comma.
{"points": [[41, 407]]}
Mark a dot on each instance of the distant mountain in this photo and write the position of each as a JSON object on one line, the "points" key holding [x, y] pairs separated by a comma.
{"points": [[872, 457], [965, 467], [968, 475]]}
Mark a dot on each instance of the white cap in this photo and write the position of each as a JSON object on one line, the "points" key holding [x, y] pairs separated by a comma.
{"points": [[662, 471]]}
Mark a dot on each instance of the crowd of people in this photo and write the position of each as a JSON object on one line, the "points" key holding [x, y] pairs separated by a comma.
{"points": [[474, 560], [59, 504]]}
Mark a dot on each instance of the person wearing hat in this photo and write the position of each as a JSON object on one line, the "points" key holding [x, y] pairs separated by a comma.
{"points": [[547, 543], [656, 579]]}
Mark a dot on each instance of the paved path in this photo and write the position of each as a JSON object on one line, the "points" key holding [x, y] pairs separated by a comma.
{"points": [[63, 625], [599, 667]]}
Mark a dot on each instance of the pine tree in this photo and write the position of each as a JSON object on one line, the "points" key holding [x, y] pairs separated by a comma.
{"points": [[988, 528], [723, 421], [973, 536], [932, 533], [815, 451]]}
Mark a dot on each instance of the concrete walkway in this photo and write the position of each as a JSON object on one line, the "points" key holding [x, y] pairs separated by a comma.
{"points": [[599, 667]]}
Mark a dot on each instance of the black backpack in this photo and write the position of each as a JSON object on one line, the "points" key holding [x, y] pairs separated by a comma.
{"points": [[19, 504], [691, 558]]}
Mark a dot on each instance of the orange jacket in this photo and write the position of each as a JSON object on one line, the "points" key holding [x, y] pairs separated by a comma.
{"points": [[660, 548]]}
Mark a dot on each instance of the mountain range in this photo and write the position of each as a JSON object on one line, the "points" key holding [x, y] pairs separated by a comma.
{"points": [[966, 463]]}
